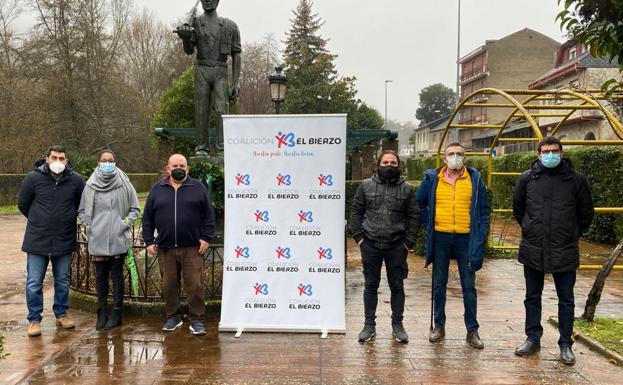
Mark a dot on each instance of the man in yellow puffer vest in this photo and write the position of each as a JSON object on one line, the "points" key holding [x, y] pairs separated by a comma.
{"points": [[454, 209]]}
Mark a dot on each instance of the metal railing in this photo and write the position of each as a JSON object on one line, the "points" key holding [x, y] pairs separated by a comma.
{"points": [[82, 274]]}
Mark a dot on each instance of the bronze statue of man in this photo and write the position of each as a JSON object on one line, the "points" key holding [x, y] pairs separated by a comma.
{"points": [[215, 38]]}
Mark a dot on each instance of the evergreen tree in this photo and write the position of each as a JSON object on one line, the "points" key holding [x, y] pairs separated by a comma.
{"points": [[313, 83]]}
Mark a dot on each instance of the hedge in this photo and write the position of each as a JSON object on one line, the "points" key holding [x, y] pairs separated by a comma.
{"points": [[602, 166], [10, 185]]}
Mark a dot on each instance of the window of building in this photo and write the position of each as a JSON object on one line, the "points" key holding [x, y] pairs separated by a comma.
{"points": [[572, 53]]}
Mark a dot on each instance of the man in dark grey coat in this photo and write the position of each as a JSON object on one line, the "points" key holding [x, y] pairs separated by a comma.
{"points": [[552, 202], [384, 221], [49, 198]]}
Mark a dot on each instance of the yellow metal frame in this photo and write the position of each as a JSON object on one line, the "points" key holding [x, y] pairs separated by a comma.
{"points": [[572, 100]]}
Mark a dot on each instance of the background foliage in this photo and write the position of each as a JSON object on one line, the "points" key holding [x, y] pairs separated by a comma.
{"points": [[602, 166]]}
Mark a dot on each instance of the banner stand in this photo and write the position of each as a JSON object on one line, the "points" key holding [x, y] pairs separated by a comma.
{"points": [[284, 249]]}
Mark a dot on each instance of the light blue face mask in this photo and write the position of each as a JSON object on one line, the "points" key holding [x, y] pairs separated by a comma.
{"points": [[550, 160], [108, 168]]}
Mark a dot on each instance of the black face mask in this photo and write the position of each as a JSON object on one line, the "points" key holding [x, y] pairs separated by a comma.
{"points": [[178, 174], [389, 172]]}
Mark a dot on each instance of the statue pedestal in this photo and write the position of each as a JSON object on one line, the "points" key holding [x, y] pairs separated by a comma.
{"points": [[215, 160]]}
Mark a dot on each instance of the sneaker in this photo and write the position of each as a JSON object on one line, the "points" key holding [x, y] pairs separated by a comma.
{"points": [[399, 332], [34, 329], [367, 333], [197, 329], [65, 322], [172, 324]]}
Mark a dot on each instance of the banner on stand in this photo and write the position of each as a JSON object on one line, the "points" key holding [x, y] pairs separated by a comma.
{"points": [[284, 223]]}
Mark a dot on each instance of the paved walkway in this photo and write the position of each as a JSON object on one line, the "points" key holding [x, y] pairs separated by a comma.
{"points": [[138, 353]]}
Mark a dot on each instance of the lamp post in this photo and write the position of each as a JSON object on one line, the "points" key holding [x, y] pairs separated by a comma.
{"points": [[278, 87], [386, 81], [455, 132]]}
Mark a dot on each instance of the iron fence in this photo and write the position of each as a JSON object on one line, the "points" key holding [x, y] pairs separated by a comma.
{"points": [[82, 276]]}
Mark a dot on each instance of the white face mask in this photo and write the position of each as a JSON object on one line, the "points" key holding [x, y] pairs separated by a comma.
{"points": [[454, 162], [57, 167]]}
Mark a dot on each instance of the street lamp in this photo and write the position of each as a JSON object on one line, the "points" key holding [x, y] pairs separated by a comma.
{"points": [[386, 81], [278, 87]]}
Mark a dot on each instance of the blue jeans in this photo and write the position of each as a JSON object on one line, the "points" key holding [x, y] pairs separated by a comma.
{"points": [[36, 267], [564, 281], [448, 246]]}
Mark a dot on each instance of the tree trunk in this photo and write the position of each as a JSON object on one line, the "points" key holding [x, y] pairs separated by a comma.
{"points": [[595, 294]]}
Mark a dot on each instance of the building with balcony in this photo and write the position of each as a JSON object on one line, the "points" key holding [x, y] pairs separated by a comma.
{"points": [[511, 62], [575, 67], [427, 137]]}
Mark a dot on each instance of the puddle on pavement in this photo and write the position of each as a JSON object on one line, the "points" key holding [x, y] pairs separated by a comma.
{"points": [[6, 326], [114, 351]]}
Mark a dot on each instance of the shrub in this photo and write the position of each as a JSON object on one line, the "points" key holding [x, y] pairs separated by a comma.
{"points": [[211, 175], [602, 166]]}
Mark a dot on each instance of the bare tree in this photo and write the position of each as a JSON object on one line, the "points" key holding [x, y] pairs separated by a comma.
{"points": [[258, 61]]}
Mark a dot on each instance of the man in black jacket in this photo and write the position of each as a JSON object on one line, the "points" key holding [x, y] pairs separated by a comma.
{"points": [[552, 202], [384, 221], [49, 197], [180, 210]]}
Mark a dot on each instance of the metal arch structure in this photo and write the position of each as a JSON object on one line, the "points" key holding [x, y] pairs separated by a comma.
{"points": [[571, 101], [576, 100], [566, 102]]}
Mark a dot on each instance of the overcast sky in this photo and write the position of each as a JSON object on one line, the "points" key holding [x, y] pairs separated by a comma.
{"points": [[412, 42]]}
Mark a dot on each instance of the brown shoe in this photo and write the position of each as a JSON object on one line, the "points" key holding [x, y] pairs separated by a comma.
{"points": [[437, 334], [34, 329], [474, 340], [65, 322]]}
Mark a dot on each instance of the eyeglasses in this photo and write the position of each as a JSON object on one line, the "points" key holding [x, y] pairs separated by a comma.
{"points": [[455, 153], [550, 152]]}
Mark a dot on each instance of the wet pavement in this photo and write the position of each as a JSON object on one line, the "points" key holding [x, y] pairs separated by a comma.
{"points": [[138, 353]]}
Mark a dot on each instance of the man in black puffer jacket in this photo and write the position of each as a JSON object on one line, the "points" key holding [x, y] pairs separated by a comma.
{"points": [[49, 197], [384, 221], [552, 202]]}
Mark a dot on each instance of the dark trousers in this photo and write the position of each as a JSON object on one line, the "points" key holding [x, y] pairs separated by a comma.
{"points": [[448, 246], [187, 263], [109, 269], [564, 282], [397, 270]]}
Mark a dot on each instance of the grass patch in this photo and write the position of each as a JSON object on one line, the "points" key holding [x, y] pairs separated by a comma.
{"points": [[2, 353], [607, 331], [501, 254], [142, 194], [9, 209]]}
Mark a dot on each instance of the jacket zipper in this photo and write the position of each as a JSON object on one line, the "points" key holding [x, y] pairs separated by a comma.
{"points": [[52, 240], [473, 224], [175, 216]]}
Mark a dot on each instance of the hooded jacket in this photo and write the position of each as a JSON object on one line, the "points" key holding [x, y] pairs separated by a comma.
{"points": [[554, 208], [385, 213], [51, 208], [479, 216]]}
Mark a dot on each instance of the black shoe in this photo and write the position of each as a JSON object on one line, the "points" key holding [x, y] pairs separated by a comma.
{"points": [[367, 333], [437, 334], [399, 332], [566, 355], [528, 348], [114, 320], [474, 340], [102, 318]]}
